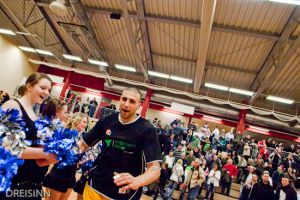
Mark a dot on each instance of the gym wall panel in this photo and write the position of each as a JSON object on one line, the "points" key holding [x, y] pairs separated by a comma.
{"points": [[14, 66]]}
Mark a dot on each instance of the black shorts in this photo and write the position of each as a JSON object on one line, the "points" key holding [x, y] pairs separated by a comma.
{"points": [[58, 183]]}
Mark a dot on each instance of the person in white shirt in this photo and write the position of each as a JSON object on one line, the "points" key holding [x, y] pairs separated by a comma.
{"points": [[229, 136], [213, 181], [169, 159], [215, 135]]}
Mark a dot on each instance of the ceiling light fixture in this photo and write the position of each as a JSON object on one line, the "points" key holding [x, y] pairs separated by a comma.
{"points": [[48, 53], [215, 86], [158, 74], [59, 7], [71, 57], [98, 62], [7, 32], [125, 68], [29, 49], [293, 2], [239, 91], [279, 99], [24, 33], [177, 78]]}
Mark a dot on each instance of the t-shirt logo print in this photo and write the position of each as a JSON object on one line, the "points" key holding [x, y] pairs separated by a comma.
{"points": [[108, 132]]}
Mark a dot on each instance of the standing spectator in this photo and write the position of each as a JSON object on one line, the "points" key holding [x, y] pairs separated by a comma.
{"points": [[231, 171], [269, 168], [194, 179], [176, 178], [193, 126], [163, 179], [213, 181], [289, 161], [290, 174], [169, 144], [251, 188], [190, 158], [215, 137], [93, 106], [229, 137], [276, 177], [247, 151], [275, 158], [287, 192], [291, 149], [169, 159], [265, 191], [178, 152]]}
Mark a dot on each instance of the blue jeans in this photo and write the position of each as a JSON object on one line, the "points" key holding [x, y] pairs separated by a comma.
{"points": [[171, 189], [193, 192], [210, 190]]}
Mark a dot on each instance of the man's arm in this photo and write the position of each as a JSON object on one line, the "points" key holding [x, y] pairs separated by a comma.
{"points": [[151, 174]]}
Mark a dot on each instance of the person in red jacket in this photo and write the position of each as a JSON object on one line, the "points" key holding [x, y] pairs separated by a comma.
{"points": [[231, 171]]}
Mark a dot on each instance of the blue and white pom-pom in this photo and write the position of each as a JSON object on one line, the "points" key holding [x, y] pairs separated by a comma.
{"points": [[12, 142], [58, 140], [45, 128], [64, 145], [8, 168], [12, 135]]}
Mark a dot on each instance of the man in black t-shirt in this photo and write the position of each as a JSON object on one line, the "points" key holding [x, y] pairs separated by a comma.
{"points": [[130, 144]]}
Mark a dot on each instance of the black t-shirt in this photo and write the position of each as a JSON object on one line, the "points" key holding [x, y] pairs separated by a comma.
{"points": [[126, 148]]}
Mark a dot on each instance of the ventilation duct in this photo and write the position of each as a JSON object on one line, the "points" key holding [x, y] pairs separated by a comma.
{"points": [[226, 113]]}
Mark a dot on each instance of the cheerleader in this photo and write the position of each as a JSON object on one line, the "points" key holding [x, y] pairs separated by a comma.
{"points": [[30, 175], [59, 181]]}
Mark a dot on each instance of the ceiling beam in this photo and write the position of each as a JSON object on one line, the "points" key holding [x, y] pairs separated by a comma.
{"points": [[191, 23], [209, 64], [48, 20], [278, 57], [132, 39], [89, 34], [207, 18], [227, 67], [36, 41], [144, 33]]}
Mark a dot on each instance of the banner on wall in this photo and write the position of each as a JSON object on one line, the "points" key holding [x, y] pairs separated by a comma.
{"points": [[182, 108]]}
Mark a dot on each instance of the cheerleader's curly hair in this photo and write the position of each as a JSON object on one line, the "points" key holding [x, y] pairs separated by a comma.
{"points": [[75, 119]]}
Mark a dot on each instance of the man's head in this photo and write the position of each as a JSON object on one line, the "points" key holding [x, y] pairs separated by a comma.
{"points": [[229, 161], [265, 177], [285, 181], [130, 102], [254, 178], [196, 162]]}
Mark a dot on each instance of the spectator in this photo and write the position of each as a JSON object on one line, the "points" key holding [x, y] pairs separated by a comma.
{"points": [[176, 178], [194, 179], [169, 159], [287, 192], [265, 191], [190, 158], [230, 171], [213, 181]]}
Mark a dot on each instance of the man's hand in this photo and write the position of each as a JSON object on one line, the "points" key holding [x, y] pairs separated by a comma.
{"points": [[127, 181]]}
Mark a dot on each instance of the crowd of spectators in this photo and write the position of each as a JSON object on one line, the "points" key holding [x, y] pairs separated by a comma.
{"points": [[197, 158]]}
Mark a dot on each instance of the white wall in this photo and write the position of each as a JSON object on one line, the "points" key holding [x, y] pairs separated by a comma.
{"points": [[14, 66]]}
